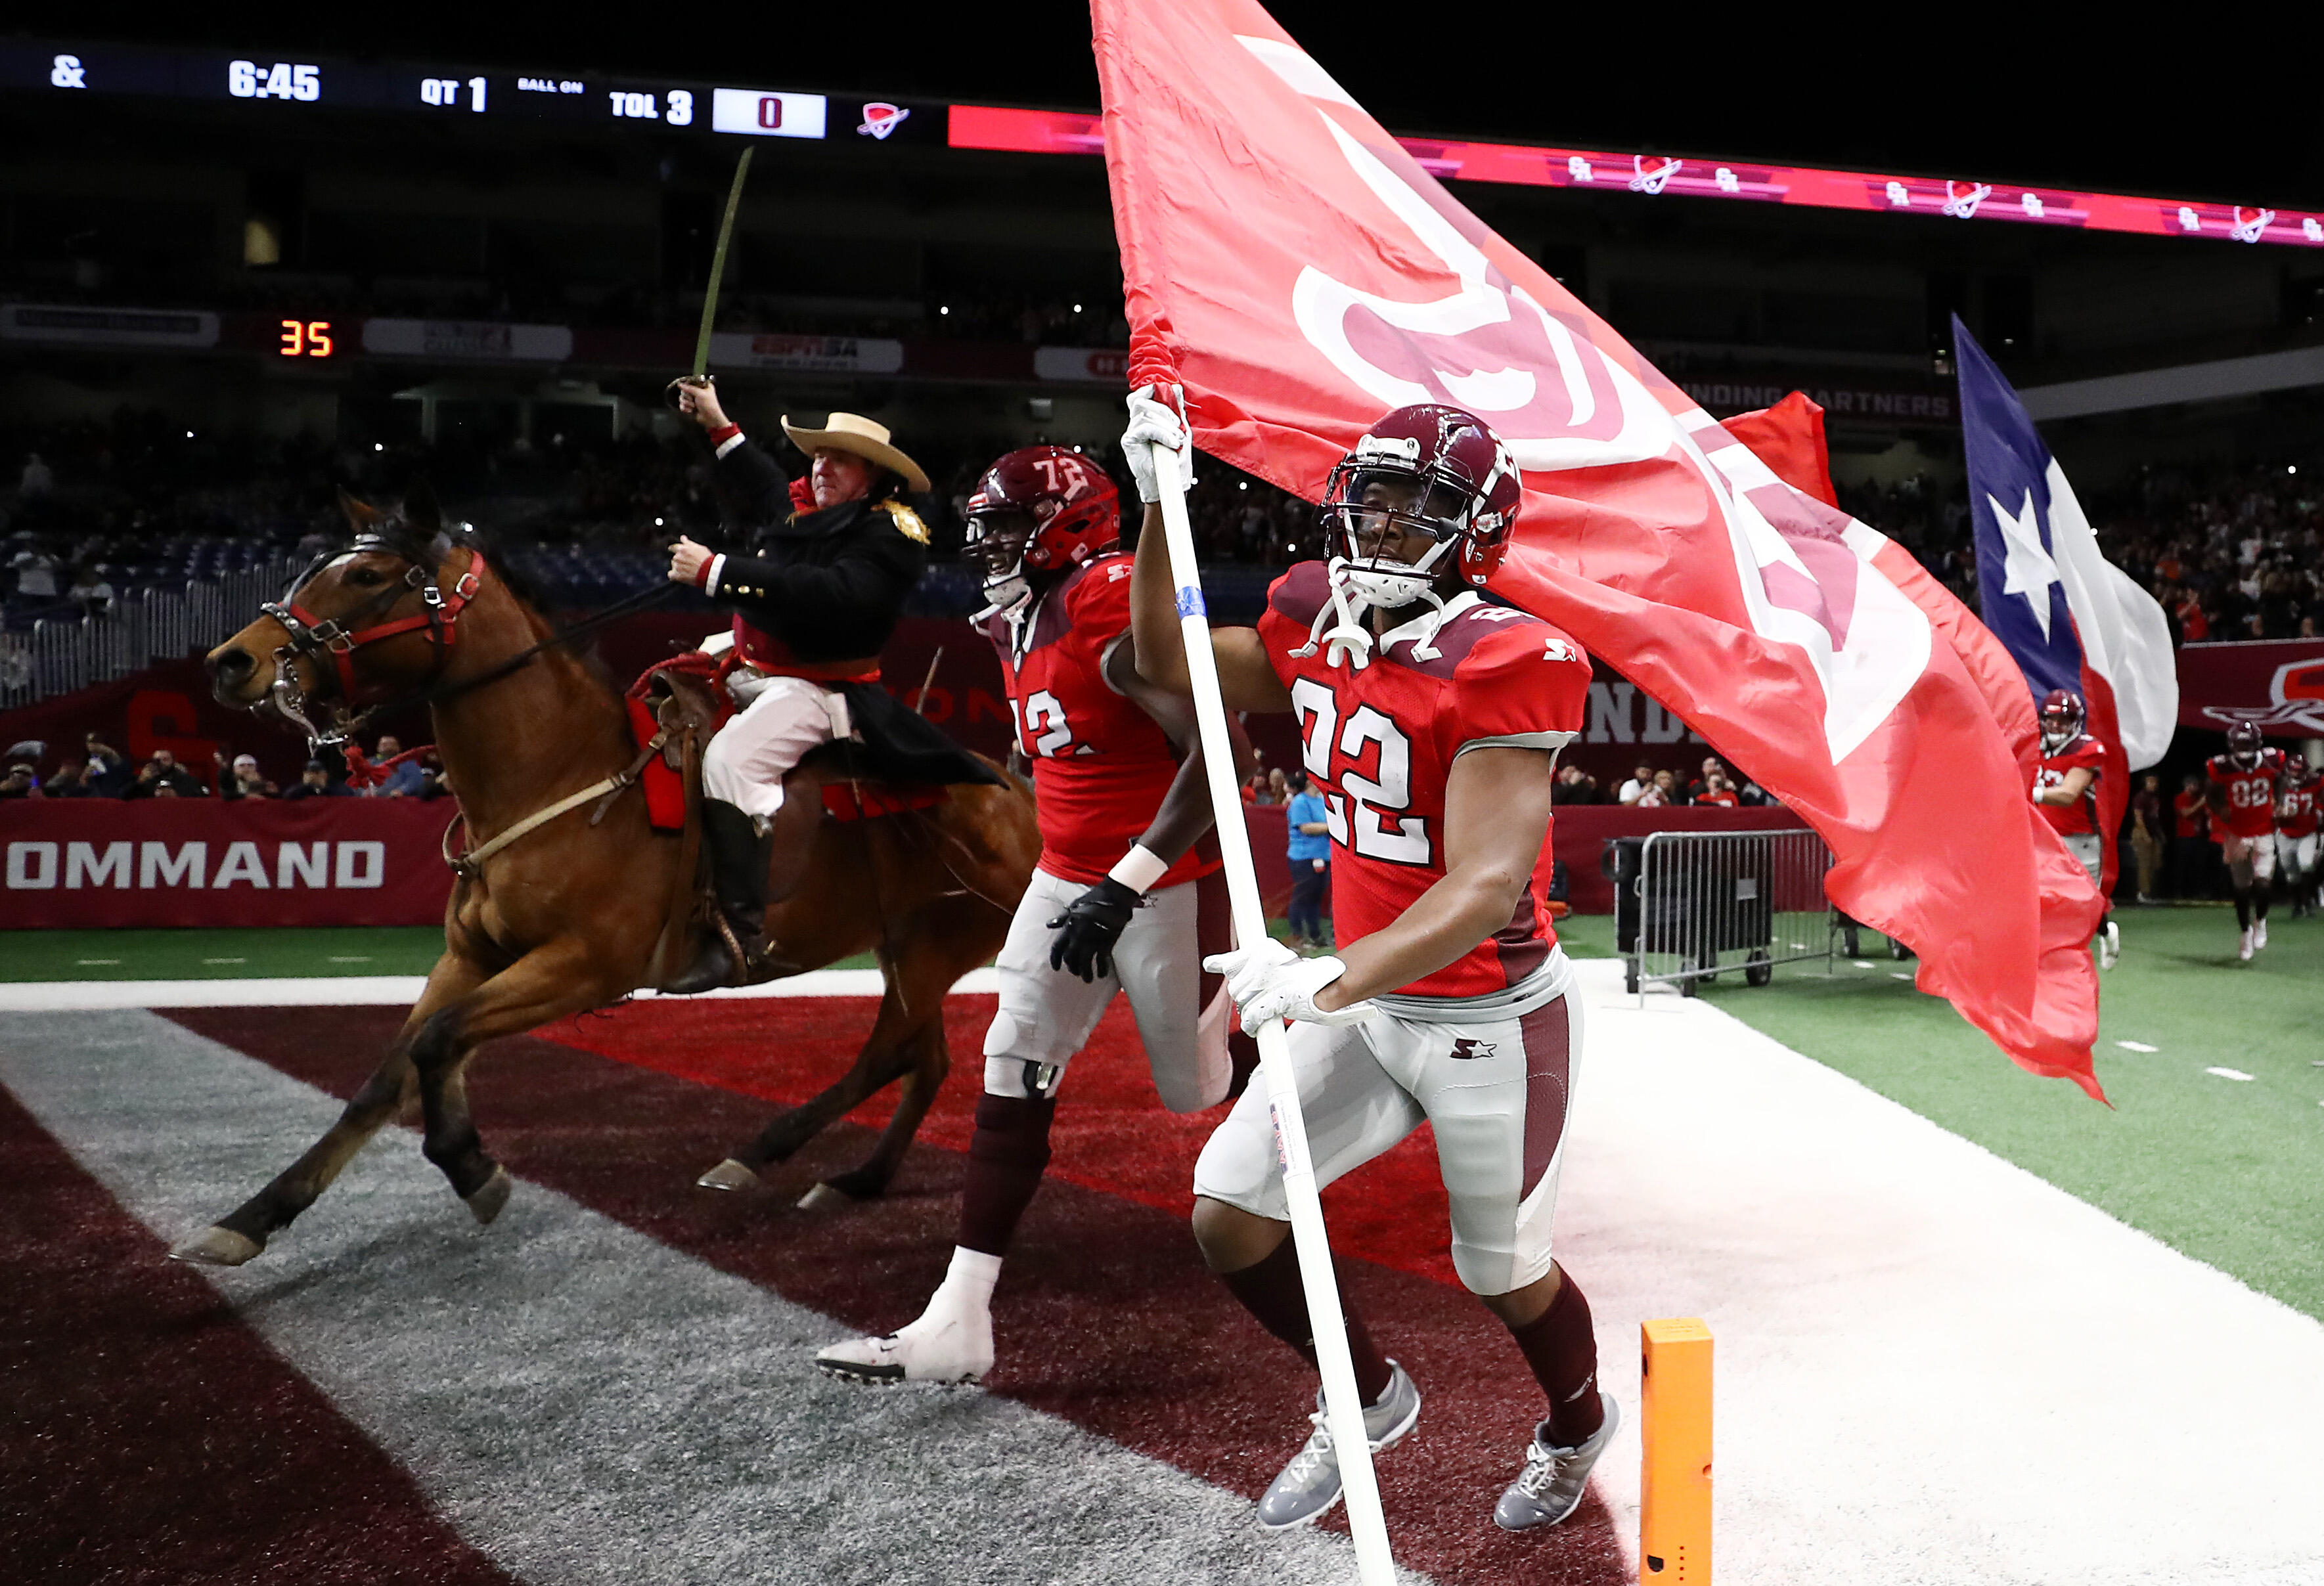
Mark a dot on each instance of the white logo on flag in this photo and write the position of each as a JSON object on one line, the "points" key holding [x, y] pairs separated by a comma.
{"points": [[1559, 402]]}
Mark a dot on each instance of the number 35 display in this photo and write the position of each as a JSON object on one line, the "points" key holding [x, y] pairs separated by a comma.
{"points": [[305, 338]]}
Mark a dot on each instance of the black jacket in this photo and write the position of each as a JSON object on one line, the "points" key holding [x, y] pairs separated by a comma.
{"points": [[830, 584]]}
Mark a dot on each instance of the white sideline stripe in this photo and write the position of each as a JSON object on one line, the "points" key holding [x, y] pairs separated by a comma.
{"points": [[589, 1407], [399, 990], [1932, 1367]]}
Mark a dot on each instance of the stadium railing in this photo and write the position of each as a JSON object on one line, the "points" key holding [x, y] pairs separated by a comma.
{"points": [[140, 627]]}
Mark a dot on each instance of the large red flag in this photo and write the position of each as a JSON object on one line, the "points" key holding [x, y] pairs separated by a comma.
{"points": [[1789, 439], [1297, 272]]}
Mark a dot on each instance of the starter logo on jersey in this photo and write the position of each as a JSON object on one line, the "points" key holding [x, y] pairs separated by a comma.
{"points": [[1466, 1048]]}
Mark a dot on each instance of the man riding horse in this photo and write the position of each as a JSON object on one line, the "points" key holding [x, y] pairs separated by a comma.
{"points": [[813, 600]]}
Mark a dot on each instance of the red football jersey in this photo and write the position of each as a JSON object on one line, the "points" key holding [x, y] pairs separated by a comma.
{"points": [[2296, 816], [2081, 815], [1379, 743], [2250, 794], [1101, 765]]}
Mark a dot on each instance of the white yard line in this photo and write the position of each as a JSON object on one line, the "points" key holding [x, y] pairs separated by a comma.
{"points": [[590, 1407], [354, 990], [1932, 1367]]}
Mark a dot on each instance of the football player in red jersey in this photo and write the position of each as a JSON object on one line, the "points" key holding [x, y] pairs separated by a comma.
{"points": [[2242, 819], [2066, 788], [2295, 832], [1431, 721], [1124, 898]]}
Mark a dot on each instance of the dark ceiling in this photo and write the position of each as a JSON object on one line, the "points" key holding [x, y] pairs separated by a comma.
{"points": [[2188, 103]]}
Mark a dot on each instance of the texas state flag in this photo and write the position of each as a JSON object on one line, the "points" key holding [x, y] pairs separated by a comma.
{"points": [[2073, 618]]}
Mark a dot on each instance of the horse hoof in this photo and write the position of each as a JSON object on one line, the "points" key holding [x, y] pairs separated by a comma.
{"points": [[729, 1174], [217, 1246], [491, 1197], [823, 1198]]}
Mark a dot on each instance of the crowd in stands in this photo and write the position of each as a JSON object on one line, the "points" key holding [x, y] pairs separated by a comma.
{"points": [[99, 770], [1648, 787], [100, 509], [2230, 556]]}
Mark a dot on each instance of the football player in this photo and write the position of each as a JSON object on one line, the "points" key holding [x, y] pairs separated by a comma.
{"points": [[1431, 721], [1123, 897], [2242, 795], [2066, 788], [2295, 832]]}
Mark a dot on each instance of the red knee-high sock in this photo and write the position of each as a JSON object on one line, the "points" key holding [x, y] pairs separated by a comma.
{"points": [[1562, 1348], [1271, 1292], [1006, 1158]]}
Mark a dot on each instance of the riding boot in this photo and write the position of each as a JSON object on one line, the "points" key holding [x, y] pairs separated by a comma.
{"points": [[734, 951]]}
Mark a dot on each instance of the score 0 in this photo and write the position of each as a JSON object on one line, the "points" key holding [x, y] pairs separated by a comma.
{"points": [[305, 338]]}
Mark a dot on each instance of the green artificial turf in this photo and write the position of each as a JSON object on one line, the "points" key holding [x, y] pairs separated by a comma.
{"points": [[219, 954], [255, 953], [2224, 1170]]}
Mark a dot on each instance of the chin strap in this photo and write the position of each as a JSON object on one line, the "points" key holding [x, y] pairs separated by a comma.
{"points": [[1348, 641]]}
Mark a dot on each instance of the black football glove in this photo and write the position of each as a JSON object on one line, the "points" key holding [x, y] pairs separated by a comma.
{"points": [[1089, 927]]}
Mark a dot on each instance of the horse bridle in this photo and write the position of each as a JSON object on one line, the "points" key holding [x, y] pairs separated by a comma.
{"points": [[335, 640]]}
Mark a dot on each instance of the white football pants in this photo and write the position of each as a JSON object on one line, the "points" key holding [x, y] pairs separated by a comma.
{"points": [[1493, 1078], [1046, 1015], [779, 719]]}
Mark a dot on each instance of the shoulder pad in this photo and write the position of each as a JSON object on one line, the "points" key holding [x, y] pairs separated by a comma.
{"points": [[908, 522], [1300, 593]]}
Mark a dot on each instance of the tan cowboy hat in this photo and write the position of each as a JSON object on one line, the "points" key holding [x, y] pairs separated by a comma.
{"points": [[852, 432]]}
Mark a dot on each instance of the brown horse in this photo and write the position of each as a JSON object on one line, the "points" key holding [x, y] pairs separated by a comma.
{"points": [[570, 915]]}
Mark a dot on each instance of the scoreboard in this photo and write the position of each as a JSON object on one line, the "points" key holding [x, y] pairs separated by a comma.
{"points": [[292, 89], [296, 87]]}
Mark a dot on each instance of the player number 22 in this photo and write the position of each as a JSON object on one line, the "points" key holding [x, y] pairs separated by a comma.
{"points": [[1379, 827]]}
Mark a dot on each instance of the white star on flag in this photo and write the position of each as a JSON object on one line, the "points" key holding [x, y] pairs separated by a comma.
{"points": [[2031, 572]]}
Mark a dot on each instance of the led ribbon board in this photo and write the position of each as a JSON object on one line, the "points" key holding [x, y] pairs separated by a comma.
{"points": [[1054, 132]]}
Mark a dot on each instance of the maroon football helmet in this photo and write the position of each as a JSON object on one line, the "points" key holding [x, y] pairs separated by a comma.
{"points": [[2063, 715], [1457, 484], [2246, 744], [1041, 509]]}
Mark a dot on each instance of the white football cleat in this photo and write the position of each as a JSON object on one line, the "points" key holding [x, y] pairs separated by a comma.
{"points": [[949, 1343], [2244, 946], [2259, 933], [952, 1342], [2109, 946]]}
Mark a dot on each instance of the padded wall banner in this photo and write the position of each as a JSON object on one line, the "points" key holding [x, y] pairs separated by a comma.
{"points": [[2277, 683], [200, 861]]}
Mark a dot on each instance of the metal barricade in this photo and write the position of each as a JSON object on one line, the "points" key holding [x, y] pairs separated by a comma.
{"points": [[141, 627], [1691, 905]]}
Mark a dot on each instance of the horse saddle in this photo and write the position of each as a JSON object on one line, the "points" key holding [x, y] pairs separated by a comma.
{"points": [[883, 767]]}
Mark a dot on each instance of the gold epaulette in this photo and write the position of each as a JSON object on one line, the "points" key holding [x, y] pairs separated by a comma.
{"points": [[908, 522]]}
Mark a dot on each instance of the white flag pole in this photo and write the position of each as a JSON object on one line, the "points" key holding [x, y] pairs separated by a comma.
{"points": [[1342, 1403]]}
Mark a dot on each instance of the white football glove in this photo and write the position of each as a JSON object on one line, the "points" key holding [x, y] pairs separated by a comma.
{"points": [[1154, 423], [1271, 981]]}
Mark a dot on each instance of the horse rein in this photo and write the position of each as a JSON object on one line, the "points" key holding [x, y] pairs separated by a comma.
{"points": [[337, 639], [316, 638]]}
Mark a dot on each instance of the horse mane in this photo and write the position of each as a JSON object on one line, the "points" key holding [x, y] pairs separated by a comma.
{"points": [[531, 596]]}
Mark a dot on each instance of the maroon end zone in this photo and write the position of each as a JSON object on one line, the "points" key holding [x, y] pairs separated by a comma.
{"points": [[153, 1437], [1105, 1315]]}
